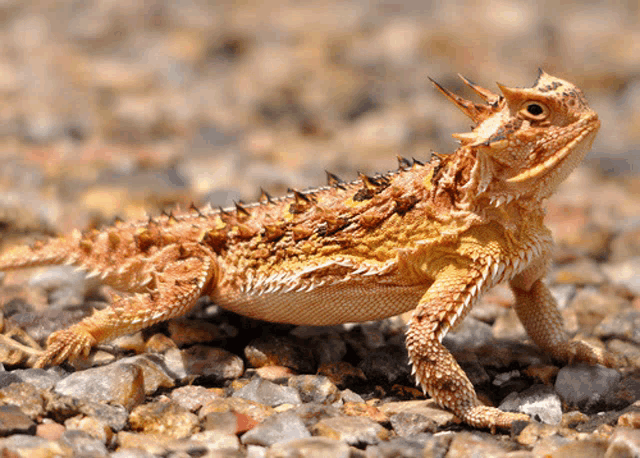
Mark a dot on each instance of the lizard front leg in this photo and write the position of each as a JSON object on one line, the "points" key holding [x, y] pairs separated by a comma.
{"points": [[447, 300], [181, 273], [538, 312]]}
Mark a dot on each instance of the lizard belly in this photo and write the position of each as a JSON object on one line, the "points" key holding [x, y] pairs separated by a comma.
{"points": [[325, 305]]}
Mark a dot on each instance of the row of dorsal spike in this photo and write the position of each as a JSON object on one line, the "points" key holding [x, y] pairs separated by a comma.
{"points": [[302, 200]]}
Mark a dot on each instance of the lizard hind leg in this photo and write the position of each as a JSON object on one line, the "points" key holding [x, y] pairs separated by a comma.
{"points": [[182, 273]]}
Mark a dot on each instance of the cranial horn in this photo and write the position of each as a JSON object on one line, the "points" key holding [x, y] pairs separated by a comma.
{"points": [[487, 95], [476, 112], [508, 92]]}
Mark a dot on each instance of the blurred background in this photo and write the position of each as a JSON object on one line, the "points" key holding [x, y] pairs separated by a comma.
{"points": [[113, 107]]}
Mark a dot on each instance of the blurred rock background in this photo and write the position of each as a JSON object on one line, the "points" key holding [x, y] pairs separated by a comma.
{"points": [[112, 107]]}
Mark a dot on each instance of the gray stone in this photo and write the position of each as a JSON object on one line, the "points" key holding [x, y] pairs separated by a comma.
{"points": [[471, 333], [311, 413], [280, 427], [256, 451], [481, 445], [315, 388], [398, 447], [133, 453], [40, 378], [624, 443], [280, 351], [22, 445], [84, 445], [66, 286], [427, 408], [215, 364], [310, 447], [14, 421], [28, 398], [153, 370], [408, 424], [115, 416], [356, 431], [60, 408], [268, 393], [192, 397], [389, 364], [586, 387], [539, 401], [624, 325], [115, 383]]}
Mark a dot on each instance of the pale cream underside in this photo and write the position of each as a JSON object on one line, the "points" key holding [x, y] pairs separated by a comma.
{"points": [[326, 305]]}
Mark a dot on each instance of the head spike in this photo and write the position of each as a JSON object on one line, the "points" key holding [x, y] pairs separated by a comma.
{"points": [[466, 137], [476, 112], [541, 75], [509, 93], [486, 95]]}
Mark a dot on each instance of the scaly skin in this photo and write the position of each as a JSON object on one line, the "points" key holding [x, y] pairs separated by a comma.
{"points": [[429, 237]]}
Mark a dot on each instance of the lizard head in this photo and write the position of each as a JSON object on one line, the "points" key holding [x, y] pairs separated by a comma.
{"points": [[526, 140]]}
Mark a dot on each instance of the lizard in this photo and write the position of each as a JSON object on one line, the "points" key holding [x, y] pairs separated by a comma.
{"points": [[428, 237]]}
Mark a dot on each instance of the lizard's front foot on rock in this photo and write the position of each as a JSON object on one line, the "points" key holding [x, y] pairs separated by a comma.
{"points": [[492, 418], [64, 345]]}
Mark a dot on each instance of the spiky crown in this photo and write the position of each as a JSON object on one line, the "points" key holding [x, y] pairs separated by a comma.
{"points": [[526, 140]]}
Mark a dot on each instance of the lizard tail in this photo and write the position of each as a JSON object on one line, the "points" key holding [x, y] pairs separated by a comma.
{"points": [[50, 252]]}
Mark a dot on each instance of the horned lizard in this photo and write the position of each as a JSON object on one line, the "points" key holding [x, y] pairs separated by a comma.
{"points": [[428, 237]]}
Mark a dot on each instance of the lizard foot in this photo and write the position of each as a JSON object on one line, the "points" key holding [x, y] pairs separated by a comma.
{"points": [[579, 351], [492, 418], [65, 344]]}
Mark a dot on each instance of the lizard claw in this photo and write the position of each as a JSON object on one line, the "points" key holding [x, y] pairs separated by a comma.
{"points": [[64, 345]]}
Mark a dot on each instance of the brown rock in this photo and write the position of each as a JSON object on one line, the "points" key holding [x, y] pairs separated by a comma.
{"points": [[254, 410], [50, 431], [342, 373], [275, 373], [353, 430], [186, 332], [93, 426], [213, 363], [25, 396], [192, 397], [428, 408], [354, 409], [165, 418], [280, 351], [14, 421]]}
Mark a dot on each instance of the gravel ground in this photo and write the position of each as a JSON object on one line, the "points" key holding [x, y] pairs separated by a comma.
{"points": [[114, 108]]}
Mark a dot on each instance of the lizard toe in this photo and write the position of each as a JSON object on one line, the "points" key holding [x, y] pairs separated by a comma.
{"points": [[579, 351], [65, 345], [492, 418]]}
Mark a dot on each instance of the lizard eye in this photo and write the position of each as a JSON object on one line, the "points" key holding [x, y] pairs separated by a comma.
{"points": [[534, 111]]}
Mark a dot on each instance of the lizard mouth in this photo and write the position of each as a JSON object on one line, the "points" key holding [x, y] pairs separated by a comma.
{"points": [[580, 143]]}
